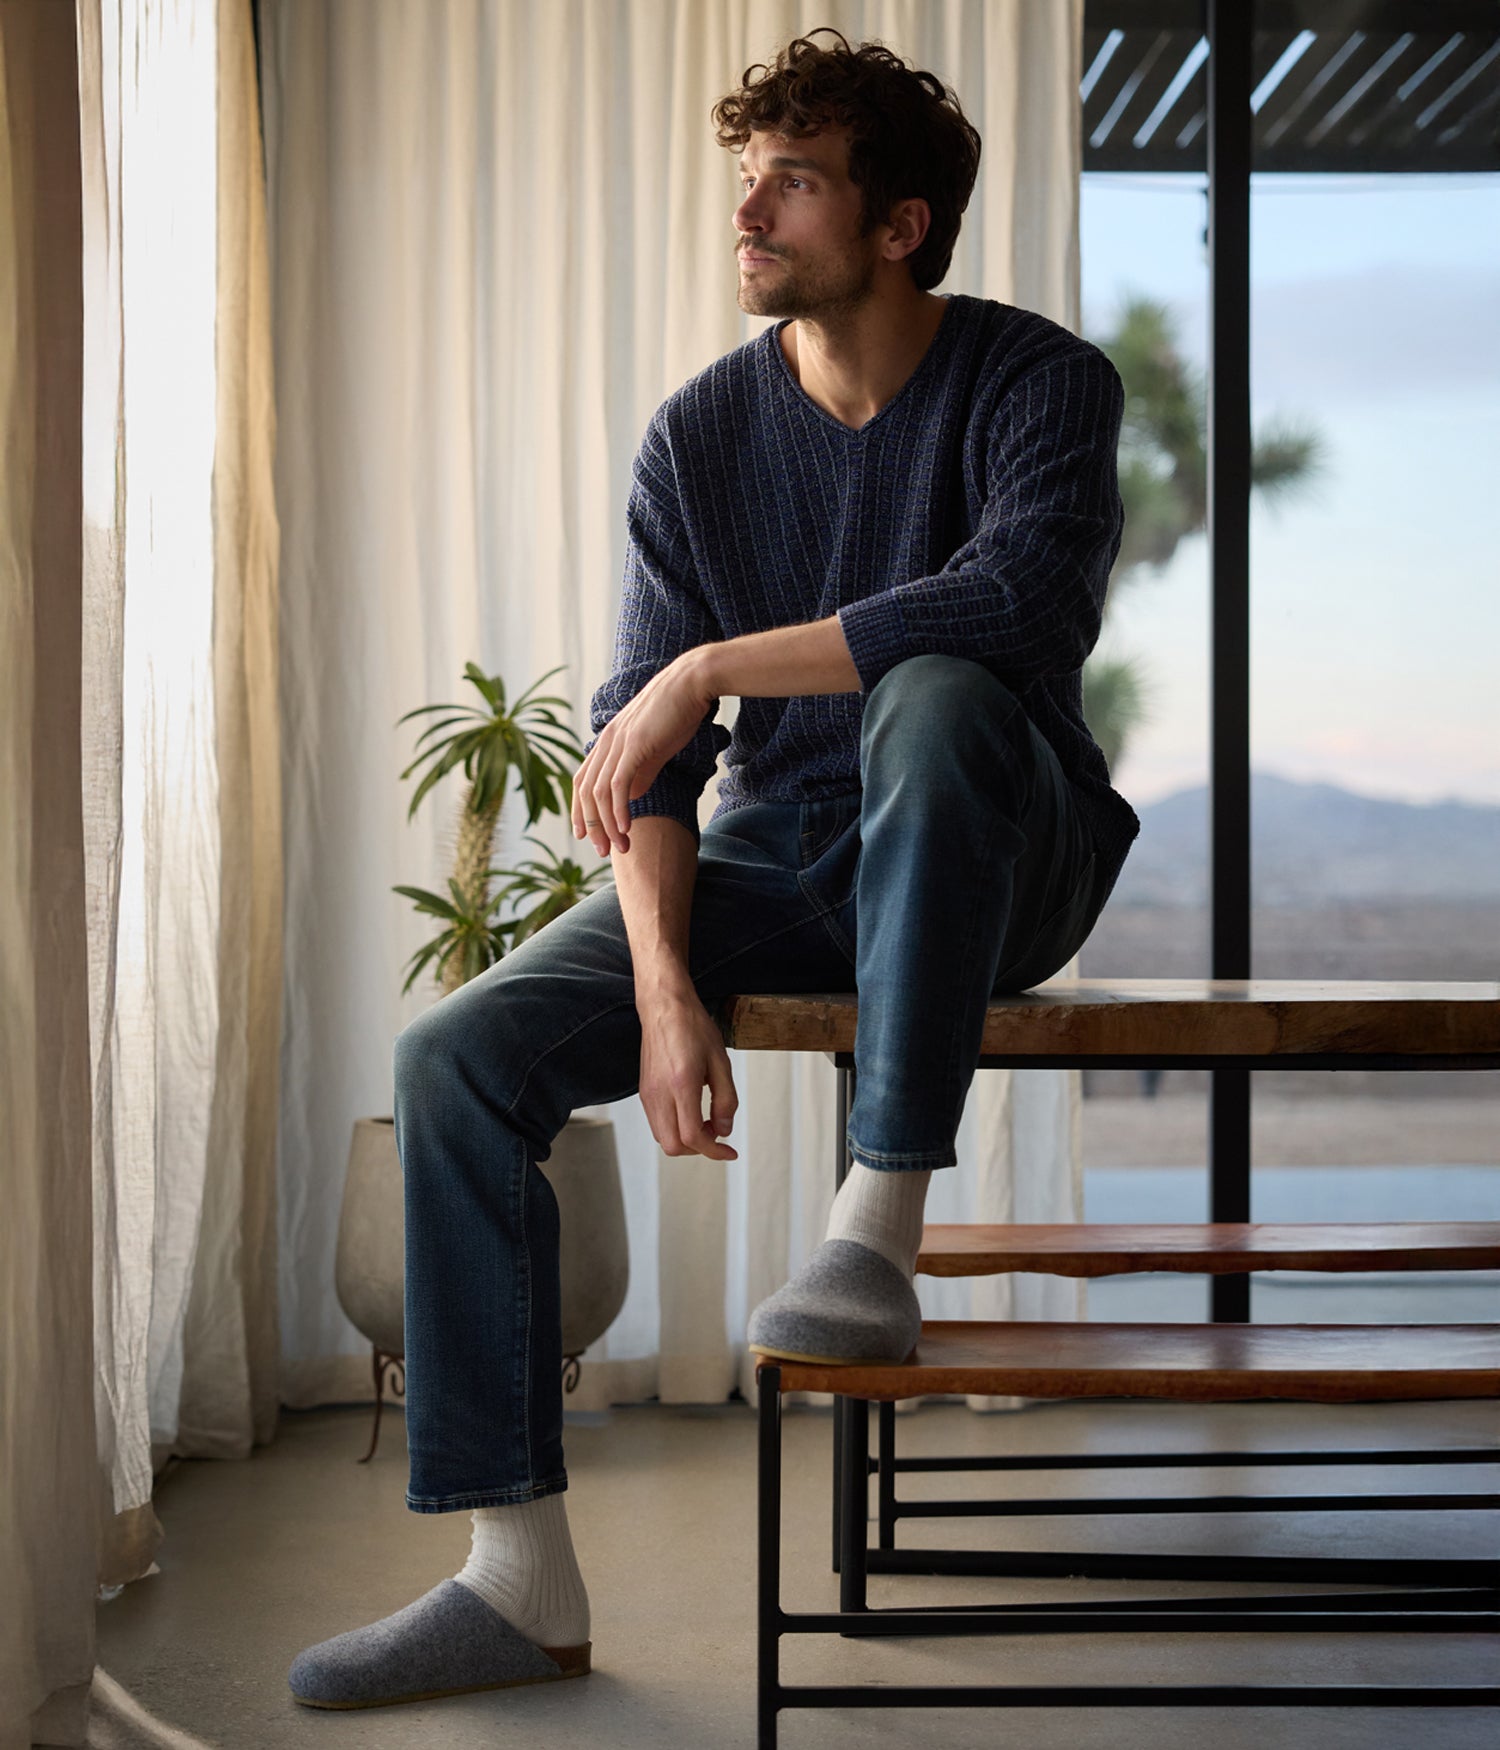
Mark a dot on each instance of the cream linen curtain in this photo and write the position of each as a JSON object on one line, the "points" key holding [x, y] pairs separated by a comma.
{"points": [[500, 235], [139, 920], [48, 1471]]}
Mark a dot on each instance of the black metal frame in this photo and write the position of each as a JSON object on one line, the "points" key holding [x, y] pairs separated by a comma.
{"points": [[1230, 32], [885, 1558], [851, 1471], [1346, 111], [1443, 1609]]}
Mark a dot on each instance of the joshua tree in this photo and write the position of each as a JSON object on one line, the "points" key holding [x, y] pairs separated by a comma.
{"points": [[1164, 486], [489, 743]]}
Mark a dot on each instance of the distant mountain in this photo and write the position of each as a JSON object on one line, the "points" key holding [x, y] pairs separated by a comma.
{"points": [[1315, 842]]}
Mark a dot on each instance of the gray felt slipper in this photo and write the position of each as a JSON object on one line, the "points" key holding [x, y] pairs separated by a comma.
{"points": [[447, 1643], [846, 1303]]}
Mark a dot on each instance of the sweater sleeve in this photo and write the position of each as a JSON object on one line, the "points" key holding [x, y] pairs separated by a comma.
{"points": [[1026, 593], [662, 614]]}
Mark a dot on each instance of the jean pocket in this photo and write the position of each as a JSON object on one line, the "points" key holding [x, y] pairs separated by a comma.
{"points": [[821, 823], [1058, 938]]}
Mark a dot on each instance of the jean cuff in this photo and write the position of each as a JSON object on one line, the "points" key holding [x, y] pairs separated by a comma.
{"points": [[485, 1498], [917, 1160]]}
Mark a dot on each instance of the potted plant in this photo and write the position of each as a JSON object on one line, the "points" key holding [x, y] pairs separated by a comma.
{"points": [[485, 912]]}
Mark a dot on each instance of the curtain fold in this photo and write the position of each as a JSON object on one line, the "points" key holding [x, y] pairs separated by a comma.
{"points": [[140, 893], [181, 737], [229, 1397], [487, 276], [48, 1470]]}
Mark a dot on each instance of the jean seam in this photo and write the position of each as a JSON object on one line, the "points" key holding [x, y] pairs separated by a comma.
{"points": [[823, 914], [1008, 971], [759, 942], [556, 1045], [523, 1181], [812, 853], [952, 1069]]}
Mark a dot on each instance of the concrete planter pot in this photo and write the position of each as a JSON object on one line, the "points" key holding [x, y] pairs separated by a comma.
{"points": [[369, 1269]]}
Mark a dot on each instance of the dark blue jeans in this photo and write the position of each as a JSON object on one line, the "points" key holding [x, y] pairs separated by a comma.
{"points": [[960, 869]]}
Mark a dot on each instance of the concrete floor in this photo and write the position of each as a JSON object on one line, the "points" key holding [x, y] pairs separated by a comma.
{"points": [[301, 1542]]}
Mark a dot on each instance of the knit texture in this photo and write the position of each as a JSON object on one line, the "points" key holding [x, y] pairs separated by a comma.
{"points": [[882, 1209], [976, 515], [521, 1563]]}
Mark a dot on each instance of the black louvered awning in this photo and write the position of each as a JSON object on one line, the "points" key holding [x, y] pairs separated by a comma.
{"points": [[1375, 86]]}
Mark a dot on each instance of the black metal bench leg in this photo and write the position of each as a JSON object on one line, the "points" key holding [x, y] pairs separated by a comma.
{"points": [[885, 1476], [843, 1099], [853, 1567], [768, 1576], [843, 1103], [838, 1478]]}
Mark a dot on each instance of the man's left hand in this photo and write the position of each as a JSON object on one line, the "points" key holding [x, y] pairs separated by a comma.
{"points": [[632, 748]]}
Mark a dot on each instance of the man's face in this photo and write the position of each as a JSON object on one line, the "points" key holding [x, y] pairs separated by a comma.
{"points": [[800, 252]]}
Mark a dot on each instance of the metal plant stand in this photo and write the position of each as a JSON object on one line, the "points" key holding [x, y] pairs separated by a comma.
{"points": [[395, 1365]]}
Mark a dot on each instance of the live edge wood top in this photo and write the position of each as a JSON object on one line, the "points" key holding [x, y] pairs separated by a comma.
{"points": [[1194, 1363], [1165, 1018], [1207, 1249]]}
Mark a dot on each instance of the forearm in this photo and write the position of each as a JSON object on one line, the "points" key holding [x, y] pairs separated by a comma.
{"points": [[783, 663], [655, 880], [628, 755], [682, 1051]]}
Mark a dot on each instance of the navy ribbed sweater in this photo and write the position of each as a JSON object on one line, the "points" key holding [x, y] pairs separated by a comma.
{"points": [[977, 515]]}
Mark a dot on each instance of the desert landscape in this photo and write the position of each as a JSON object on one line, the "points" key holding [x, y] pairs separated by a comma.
{"points": [[1346, 886]]}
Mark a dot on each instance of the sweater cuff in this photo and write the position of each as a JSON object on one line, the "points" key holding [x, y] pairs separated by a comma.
{"points": [[672, 796], [876, 635]]}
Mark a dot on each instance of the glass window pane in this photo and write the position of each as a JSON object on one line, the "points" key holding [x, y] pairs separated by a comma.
{"points": [[1144, 297], [1375, 622]]}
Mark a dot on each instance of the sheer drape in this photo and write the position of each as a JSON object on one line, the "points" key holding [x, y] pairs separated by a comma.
{"points": [[179, 733], [500, 236], [140, 918]]}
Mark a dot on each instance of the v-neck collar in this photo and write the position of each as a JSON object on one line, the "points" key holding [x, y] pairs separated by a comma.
{"points": [[924, 364]]}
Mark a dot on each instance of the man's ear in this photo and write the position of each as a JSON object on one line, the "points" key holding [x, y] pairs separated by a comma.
{"points": [[909, 224]]}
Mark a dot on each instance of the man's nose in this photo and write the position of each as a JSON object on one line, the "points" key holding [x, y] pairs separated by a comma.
{"points": [[748, 215]]}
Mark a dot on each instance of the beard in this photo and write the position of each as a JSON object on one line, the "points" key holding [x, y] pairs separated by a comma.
{"points": [[826, 294]]}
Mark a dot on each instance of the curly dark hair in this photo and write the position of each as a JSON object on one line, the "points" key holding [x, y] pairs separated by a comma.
{"points": [[908, 137]]}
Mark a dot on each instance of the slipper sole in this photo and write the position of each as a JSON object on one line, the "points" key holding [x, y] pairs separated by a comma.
{"points": [[823, 1360], [573, 1662]]}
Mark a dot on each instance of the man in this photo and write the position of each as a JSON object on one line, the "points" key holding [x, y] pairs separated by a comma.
{"points": [[886, 526]]}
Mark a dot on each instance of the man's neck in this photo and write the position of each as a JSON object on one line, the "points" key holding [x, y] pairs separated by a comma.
{"points": [[853, 367]]}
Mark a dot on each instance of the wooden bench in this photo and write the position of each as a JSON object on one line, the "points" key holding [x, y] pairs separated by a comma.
{"points": [[1206, 1248], [1204, 1364], [1215, 1024], [1239, 1025], [1151, 1022]]}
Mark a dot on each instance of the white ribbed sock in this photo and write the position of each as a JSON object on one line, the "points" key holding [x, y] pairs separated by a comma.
{"points": [[881, 1210], [522, 1564]]}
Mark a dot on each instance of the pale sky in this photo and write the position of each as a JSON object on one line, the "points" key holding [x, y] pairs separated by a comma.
{"points": [[1375, 659]]}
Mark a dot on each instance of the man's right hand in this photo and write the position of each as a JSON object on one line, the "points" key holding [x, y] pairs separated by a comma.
{"points": [[682, 1052]]}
